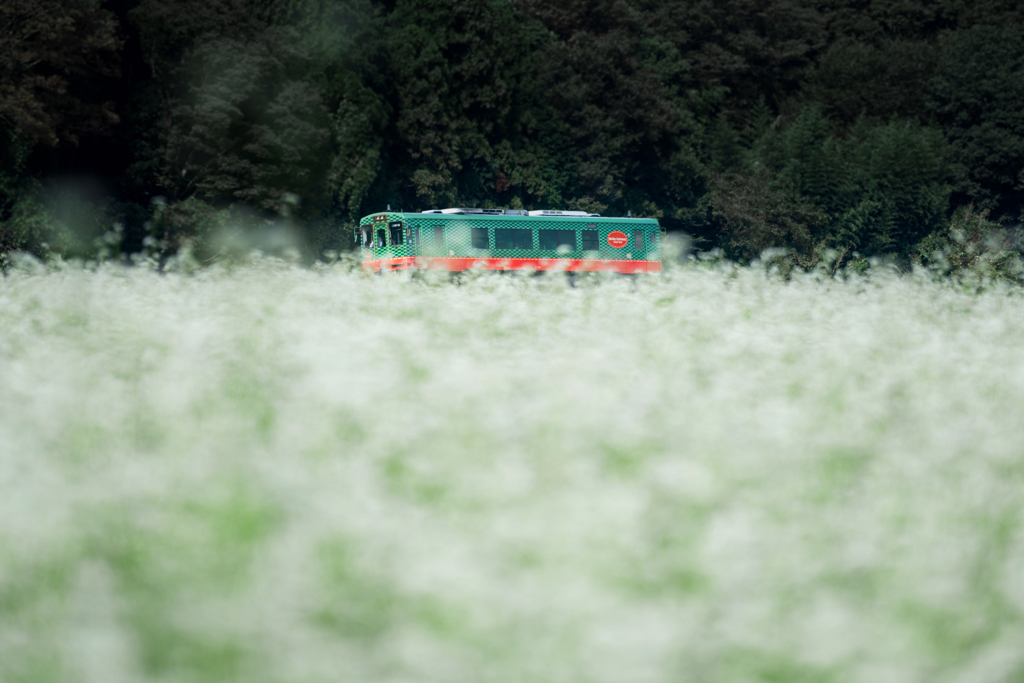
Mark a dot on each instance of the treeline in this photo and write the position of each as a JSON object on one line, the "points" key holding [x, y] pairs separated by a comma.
{"points": [[850, 127]]}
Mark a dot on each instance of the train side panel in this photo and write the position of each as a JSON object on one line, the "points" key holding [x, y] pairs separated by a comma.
{"points": [[455, 243]]}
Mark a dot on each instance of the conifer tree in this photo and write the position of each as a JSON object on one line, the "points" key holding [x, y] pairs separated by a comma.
{"points": [[977, 100]]}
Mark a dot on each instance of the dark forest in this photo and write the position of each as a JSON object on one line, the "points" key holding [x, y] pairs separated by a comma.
{"points": [[846, 127]]}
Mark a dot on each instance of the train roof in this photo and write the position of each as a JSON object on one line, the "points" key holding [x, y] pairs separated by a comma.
{"points": [[514, 212], [517, 213]]}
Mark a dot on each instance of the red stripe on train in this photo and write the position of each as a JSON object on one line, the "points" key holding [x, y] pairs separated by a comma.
{"points": [[556, 264]]}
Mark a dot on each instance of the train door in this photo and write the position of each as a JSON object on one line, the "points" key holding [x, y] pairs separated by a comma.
{"points": [[639, 252], [441, 241], [412, 238], [431, 240]]}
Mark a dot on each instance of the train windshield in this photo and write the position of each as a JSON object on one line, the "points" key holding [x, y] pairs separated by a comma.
{"points": [[396, 233]]}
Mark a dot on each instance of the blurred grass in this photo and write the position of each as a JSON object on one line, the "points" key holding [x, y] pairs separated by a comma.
{"points": [[276, 474]]}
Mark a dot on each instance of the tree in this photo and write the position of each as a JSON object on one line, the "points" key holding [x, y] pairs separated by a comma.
{"points": [[239, 120], [751, 216], [619, 94], [245, 129], [50, 52], [458, 71], [855, 79], [879, 188], [348, 64], [758, 50], [976, 99], [46, 48]]}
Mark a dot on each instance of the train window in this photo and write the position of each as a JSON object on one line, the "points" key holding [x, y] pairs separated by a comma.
{"points": [[589, 240], [381, 237], [438, 236], [513, 238], [365, 236], [553, 239], [549, 239], [397, 233], [414, 236], [504, 238], [638, 240], [479, 237]]}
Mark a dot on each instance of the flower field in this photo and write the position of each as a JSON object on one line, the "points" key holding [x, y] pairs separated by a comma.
{"points": [[272, 473]]}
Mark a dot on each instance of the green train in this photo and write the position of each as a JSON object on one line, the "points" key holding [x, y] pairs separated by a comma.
{"points": [[509, 239]]}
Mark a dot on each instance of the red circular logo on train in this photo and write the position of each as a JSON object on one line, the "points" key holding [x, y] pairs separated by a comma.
{"points": [[617, 239]]}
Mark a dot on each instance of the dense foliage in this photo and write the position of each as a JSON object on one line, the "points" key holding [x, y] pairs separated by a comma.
{"points": [[818, 126]]}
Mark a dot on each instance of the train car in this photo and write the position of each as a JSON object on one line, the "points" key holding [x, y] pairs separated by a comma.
{"points": [[508, 239]]}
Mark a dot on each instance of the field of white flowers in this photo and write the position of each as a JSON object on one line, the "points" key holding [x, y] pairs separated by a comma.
{"points": [[287, 475]]}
